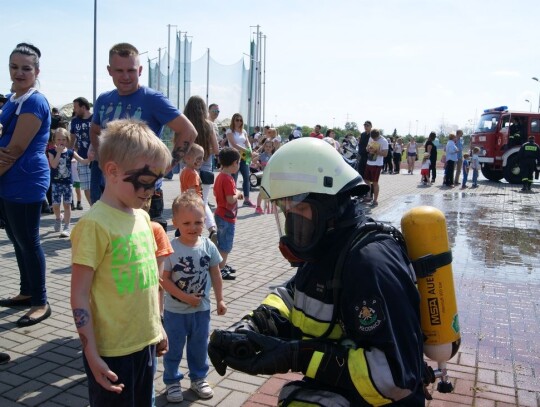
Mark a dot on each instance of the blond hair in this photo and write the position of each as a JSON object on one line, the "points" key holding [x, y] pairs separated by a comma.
{"points": [[63, 132], [195, 148], [124, 141], [188, 199]]}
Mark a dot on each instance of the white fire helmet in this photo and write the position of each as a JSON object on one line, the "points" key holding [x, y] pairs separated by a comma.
{"points": [[309, 184], [309, 165]]}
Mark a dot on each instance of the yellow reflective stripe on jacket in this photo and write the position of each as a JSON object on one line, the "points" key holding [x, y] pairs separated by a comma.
{"points": [[314, 364], [313, 328], [273, 300], [299, 404], [359, 372]]}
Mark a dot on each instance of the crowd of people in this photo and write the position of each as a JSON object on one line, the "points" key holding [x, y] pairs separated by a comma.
{"points": [[137, 295], [386, 155]]}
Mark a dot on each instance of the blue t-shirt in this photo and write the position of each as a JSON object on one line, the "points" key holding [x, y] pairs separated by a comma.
{"points": [[28, 179], [459, 144], [145, 104], [465, 166], [62, 173], [81, 129], [190, 267]]}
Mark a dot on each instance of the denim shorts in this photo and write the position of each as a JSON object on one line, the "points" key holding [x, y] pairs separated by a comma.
{"points": [[59, 191], [225, 234]]}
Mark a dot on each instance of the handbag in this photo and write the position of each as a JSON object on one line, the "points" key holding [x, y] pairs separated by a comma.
{"points": [[207, 177]]}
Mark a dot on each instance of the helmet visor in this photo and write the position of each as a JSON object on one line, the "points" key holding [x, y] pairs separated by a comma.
{"points": [[297, 220]]}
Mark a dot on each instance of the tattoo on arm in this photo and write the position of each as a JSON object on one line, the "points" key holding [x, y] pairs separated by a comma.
{"points": [[81, 317], [179, 152]]}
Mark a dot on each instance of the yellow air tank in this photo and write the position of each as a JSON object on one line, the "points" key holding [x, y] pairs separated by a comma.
{"points": [[424, 230]]}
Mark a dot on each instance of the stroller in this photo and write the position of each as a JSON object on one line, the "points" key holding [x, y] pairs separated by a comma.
{"points": [[255, 176]]}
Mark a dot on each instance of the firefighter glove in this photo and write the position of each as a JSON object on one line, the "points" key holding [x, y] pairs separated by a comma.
{"points": [[225, 344], [271, 355]]}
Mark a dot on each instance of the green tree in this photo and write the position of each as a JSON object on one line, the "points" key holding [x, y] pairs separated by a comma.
{"points": [[351, 126]]}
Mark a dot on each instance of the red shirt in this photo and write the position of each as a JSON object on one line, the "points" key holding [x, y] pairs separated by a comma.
{"points": [[316, 135], [225, 186]]}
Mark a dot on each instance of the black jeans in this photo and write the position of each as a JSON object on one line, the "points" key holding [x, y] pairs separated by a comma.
{"points": [[433, 169], [449, 173], [397, 162]]}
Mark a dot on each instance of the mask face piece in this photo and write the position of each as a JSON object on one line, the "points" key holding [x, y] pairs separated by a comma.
{"points": [[300, 227], [143, 178], [288, 255], [300, 230]]}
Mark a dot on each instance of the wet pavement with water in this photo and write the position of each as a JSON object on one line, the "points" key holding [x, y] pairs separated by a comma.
{"points": [[494, 233]]}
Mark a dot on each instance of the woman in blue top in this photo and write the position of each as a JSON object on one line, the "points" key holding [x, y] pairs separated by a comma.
{"points": [[24, 179]]}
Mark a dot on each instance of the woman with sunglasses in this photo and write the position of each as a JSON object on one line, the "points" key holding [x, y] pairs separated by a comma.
{"points": [[238, 139]]}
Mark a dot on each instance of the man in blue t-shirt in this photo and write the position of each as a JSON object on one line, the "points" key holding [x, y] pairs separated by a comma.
{"points": [[131, 100], [80, 136]]}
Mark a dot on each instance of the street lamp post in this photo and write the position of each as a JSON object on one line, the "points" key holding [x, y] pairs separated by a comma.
{"points": [[530, 104], [534, 78]]}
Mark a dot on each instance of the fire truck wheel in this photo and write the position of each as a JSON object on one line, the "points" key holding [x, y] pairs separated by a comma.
{"points": [[512, 173], [490, 174]]}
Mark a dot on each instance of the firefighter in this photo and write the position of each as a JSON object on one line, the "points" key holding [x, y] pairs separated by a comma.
{"points": [[514, 138], [529, 157], [349, 318]]}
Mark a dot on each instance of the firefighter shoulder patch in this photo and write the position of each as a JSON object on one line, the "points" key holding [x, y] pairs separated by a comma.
{"points": [[369, 315]]}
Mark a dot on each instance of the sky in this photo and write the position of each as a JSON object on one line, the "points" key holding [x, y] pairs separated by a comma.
{"points": [[409, 65]]}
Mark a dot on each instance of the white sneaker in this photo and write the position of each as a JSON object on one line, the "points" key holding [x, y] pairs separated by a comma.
{"points": [[66, 232], [58, 223], [174, 393], [202, 389]]}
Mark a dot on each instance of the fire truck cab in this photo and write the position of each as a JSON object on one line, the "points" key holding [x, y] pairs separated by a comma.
{"points": [[499, 135]]}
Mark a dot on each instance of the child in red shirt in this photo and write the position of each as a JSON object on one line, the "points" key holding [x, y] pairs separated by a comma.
{"points": [[227, 206]]}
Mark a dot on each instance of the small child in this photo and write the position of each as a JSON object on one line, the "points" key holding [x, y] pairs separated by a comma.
{"points": [[188, 275], [466, 165], [115, 279], [475, 166], [62, 178], [227, 206], [190, 179], [424, 169], [264, 157]]}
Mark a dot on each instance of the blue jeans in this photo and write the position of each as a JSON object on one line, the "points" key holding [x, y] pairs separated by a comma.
{"points": [[244, 170], [96, 182], [192, 329], [225, 234], [22, 228], [475, 177], [135, 371], [464, 181]]}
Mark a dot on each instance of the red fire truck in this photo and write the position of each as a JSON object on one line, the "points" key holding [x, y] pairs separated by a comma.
{"points": [[499, 135]]}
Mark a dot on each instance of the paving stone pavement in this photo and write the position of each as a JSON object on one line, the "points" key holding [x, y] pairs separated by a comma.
{"points": [[494, 232]]}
